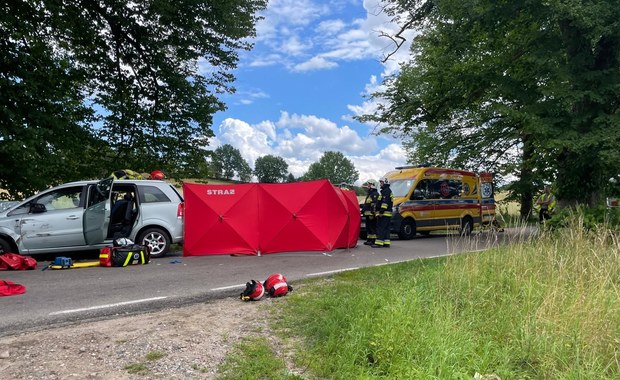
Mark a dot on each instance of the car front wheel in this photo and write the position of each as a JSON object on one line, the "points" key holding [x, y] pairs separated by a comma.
{"points": [[5, 247], [157, 239]]}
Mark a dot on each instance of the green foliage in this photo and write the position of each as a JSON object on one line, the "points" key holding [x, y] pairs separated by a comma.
{"points": [[43, 119], [137, 369], [89, 88], [200, 368], [527, 89], [590, 218], [154, 355], [253, 358], [540, 309], [333, 166], [271, 169], [290, 178], [228, 163]]}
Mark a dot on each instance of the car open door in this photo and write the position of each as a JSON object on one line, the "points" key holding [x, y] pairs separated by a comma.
{"points": [[97, 214]]}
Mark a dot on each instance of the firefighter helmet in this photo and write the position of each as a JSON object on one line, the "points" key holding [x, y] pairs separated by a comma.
{"points": [[370, 184], [276, 285], [157, 174], [253, 291], [384, 181]]}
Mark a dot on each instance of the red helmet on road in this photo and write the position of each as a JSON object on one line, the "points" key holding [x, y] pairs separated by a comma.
{"points": [[276, 285], [253, 291], [157, 174]]}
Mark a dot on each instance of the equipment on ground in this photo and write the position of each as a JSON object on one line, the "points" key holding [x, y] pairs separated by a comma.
{"points": [[67, 263], [276, 285], [253, 291], [124, 255]]}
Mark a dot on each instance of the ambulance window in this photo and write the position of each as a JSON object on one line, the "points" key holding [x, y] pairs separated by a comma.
{"points": [[400, 188], [446, 189], [422, 190]]}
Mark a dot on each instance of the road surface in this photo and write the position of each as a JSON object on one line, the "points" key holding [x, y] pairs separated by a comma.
{"points": [[60, 297]]}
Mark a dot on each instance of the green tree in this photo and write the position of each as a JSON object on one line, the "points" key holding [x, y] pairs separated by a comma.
{"points": [[44, 135], [527, 88], [228, 163], [290, 178], [270, 169], [333, 166], [87, 87]]}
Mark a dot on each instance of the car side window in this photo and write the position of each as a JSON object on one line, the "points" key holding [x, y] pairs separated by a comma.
{"points": [[21, 210], [61, 199], [151, 194]]}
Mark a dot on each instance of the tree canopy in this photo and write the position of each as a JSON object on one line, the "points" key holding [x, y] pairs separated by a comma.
{"points": [[91, 86], [530, 89], [227, 163], [333, 166], [271, 169]]}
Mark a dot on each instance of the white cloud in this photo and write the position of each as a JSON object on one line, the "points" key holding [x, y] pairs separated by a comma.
{"points": [[293, 35], [377, 24], [325, 134], [370, 106], [248, 97], [281, 15], [294, 46], [375, 166], [302, 139], [251, 141], [265, 60], [315, 63], [303, 36], [330, 27]]}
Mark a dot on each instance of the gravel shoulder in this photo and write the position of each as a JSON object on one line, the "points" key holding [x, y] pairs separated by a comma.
{"points": [[184, 343]]}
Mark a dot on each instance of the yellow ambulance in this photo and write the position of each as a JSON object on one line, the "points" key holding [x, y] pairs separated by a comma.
{"points": [[430, 198]]}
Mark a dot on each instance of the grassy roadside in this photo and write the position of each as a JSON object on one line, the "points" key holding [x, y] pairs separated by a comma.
{"points": [[548, 308]]}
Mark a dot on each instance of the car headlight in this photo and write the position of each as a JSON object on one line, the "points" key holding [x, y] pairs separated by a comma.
{"points": [[396, 209]]}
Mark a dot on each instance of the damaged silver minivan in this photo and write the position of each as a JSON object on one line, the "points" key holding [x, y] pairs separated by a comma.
{"points": [[90, 214]]}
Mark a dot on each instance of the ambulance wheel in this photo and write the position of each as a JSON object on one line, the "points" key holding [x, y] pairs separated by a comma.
{"points": [[157, 239], [467, 226], [407, 229]]}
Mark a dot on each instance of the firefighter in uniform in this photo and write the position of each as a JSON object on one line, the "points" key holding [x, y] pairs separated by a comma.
{"points": [[369, 208], [384, 212], [545, 204]]}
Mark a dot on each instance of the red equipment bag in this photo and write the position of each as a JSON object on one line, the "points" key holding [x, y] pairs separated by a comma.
{"points": [[9, 288], [13, 261], [105, 257]]}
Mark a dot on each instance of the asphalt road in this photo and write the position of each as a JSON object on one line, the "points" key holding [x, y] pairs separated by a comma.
{"points": [[60, 297]]}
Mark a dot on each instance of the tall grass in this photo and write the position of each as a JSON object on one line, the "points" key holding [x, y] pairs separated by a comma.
{"points": [[546, 308]]}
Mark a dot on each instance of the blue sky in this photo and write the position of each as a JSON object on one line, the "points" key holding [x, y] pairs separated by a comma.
{"points": [[305, 79]]}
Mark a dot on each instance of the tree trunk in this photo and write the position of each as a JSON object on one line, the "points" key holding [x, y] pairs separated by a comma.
{"points": [[526, 179]]}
